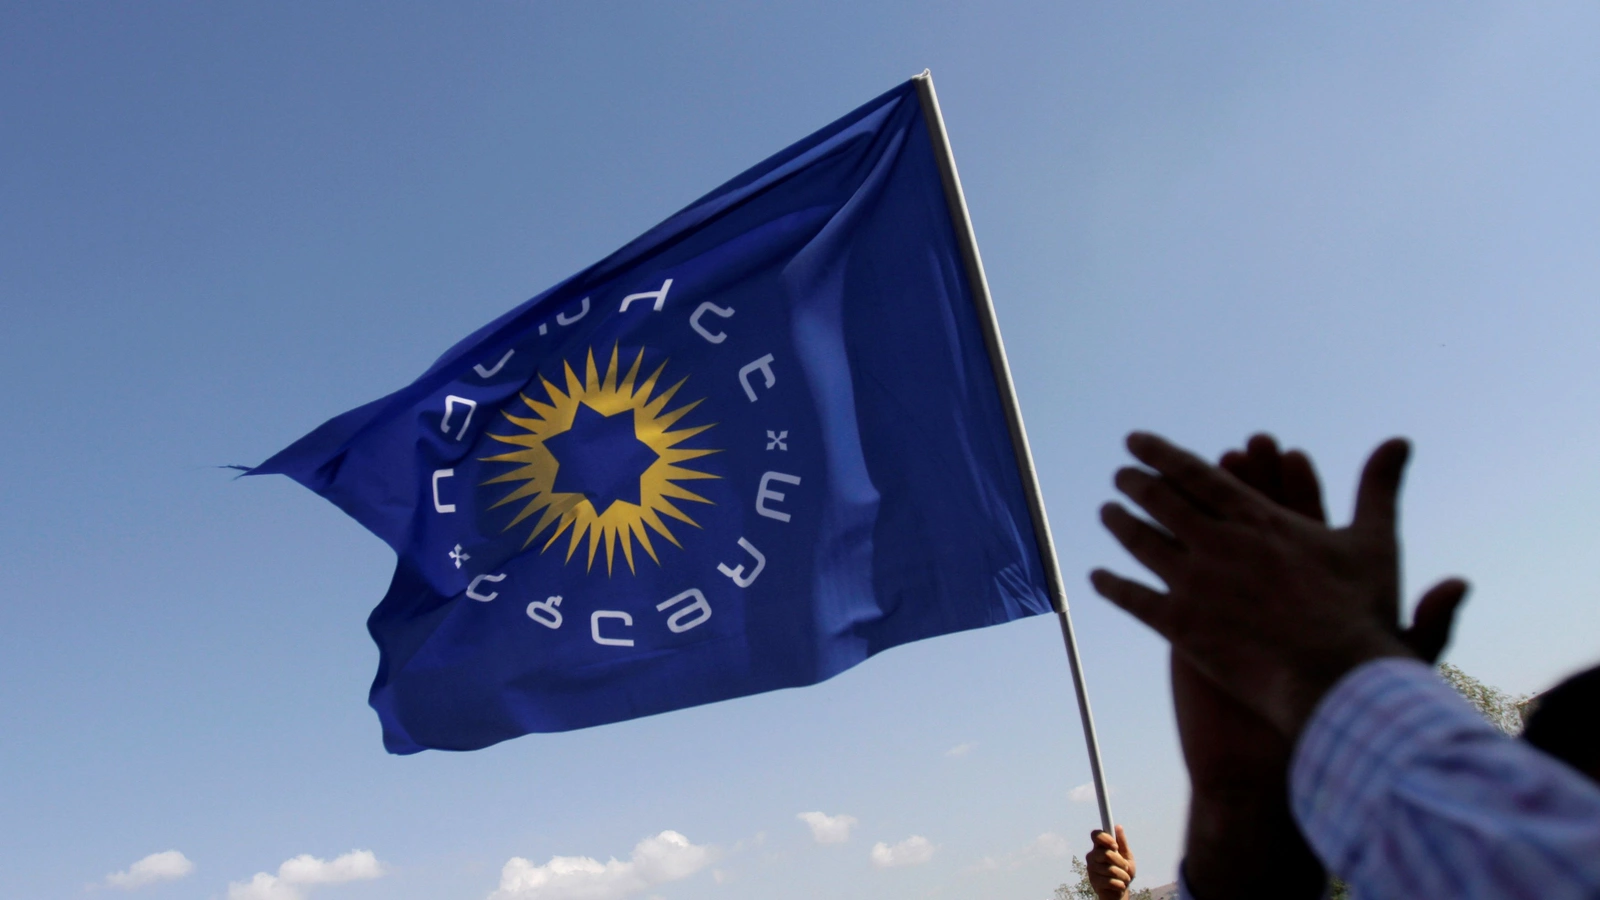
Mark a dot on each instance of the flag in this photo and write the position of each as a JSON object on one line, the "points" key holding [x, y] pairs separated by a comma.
{"points": [[747, 451]]}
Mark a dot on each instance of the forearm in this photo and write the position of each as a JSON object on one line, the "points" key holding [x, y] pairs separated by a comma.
{"points": [[1405, 792], [1243, 843]]}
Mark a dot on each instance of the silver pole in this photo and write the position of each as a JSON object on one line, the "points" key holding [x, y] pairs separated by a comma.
{"points": [[957, 202]]}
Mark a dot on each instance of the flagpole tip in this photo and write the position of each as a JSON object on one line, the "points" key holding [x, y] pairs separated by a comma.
{"points": [[925, 74]]}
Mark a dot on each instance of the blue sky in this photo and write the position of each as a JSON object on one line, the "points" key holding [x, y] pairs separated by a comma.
{"points": [[220, 225]]}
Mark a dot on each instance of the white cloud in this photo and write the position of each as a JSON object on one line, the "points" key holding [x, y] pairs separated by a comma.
{"points": [[168, 866], [1046, 846], [1083, 793], [912, 851], [656, 860], [828, 829], [305, 870], [959, 750]]}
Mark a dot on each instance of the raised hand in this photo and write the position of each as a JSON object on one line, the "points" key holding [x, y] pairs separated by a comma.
{"points": [[1270, 604], [1241, 841], [1110, 864], [1290, 480], [1238, 763]]}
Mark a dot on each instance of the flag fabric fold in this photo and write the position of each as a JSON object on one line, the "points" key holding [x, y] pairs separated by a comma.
{"points": [[753, 447]]}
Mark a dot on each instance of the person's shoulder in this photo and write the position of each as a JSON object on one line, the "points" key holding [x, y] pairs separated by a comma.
{"points": [[1565, 722]]}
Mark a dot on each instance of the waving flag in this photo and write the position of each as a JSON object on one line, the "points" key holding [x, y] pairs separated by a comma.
{"points": [[747, 451]]}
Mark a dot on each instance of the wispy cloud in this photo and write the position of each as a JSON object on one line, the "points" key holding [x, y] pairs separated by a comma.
{"points": [[303, 871], [913, 851], [828, 829], [960, 750], [669, 856], [1083, 793], [1046, 846], [167, 866]]}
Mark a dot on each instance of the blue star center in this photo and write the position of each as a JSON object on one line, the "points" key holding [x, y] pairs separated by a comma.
{"points": [[600, 457]]}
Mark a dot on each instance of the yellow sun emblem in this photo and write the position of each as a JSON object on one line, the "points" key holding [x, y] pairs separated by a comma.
{"points": [[601, 461]]}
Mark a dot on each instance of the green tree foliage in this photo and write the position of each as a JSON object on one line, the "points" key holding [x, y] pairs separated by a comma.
{"points": [[1082, 890], [1504, 711]]}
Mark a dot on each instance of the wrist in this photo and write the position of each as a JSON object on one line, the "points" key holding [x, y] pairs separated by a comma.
{"points": [[1246, 845], [1309, 682]]}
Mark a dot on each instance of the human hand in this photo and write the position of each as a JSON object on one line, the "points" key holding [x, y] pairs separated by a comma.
{"points": [[1238, 763], [1232, 753], [1290, 480], [1110, 864], [1271, 605]]}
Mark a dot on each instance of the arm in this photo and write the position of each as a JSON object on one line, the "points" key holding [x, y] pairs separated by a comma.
{"points": [[1397, 785], [1242, 841], [1403, 789]]}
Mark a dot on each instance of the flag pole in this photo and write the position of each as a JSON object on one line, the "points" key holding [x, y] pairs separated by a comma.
{"points": [[962, 221]]}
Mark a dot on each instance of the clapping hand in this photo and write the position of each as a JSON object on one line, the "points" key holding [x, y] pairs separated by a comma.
{"points": [[1238, 762], [1272, 605], [1290, 480]]}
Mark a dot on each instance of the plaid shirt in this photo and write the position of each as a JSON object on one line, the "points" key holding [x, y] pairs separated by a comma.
{"points": [[1404, 791]]}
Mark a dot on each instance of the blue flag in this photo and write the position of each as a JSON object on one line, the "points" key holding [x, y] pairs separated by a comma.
{"points": [[747, 451]]}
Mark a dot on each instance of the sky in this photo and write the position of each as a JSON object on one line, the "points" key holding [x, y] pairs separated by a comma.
{"points": [[221, 224]]}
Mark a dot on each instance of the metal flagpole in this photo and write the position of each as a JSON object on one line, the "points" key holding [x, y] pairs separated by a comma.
{"points": [[957, 202]]}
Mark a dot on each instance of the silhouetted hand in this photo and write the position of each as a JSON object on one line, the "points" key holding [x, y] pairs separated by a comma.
{"points": [[1110, 864], [1270, 604], [1290, 480], [1238, 763]]}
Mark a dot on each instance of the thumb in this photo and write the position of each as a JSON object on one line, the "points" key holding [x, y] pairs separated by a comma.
{"points": [[1122, 844], [1377, 498], [1431, 624]]}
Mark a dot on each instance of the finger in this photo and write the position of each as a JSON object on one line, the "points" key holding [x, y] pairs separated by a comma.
{"points": [[1236, 463], [1164, 502], [1158, 552], [1213, 488], [1434, 618], [1302, 489], [1143, 603], [1103, 842], [1110, 871], [1264, 464], [1114, 878], [1378, 495], [1122, 843]]}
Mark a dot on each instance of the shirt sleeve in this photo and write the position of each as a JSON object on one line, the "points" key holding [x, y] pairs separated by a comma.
{"points": [[1404, 791]]}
